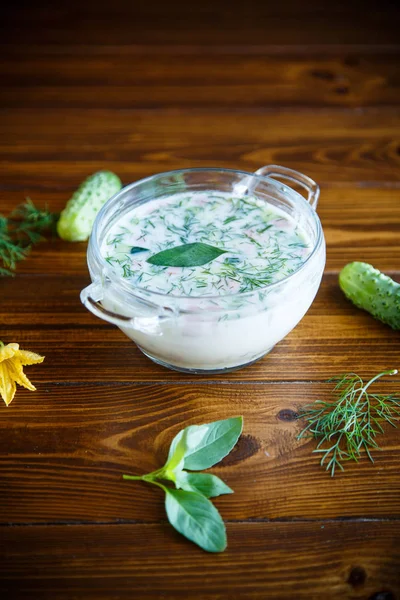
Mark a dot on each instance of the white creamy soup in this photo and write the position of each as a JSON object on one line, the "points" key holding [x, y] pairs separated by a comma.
{"points": [[261, 244], [232, 317]]}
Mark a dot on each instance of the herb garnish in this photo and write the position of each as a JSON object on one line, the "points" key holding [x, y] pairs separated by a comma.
{"points": [[20, 231], [187, 505], [137, 249], [350, 423], [258, 251], [187, 255]]}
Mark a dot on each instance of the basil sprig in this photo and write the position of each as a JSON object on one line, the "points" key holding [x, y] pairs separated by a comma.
{"points": [[187, 504], [186, 255]]}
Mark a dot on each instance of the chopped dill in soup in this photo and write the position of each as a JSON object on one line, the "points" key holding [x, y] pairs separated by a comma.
{"points": [[260, 244]]}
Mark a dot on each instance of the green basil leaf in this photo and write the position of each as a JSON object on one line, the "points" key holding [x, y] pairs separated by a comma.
{"points": [[196, 518], [203, 483], [174, 464], [207, 444], [137, 249], [187, 255], [192, 435]]}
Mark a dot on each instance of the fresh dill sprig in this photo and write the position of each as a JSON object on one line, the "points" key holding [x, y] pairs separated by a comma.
{"points": [[29, 222], [23, 228], [10, 251], [349, 424]]}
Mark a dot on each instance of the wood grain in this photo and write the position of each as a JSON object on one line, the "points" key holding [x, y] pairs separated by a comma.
{"points": [[329, 146], [334, 337], [141, 80], [334, 561], [64, 450], [140, 88], [256, 22]]}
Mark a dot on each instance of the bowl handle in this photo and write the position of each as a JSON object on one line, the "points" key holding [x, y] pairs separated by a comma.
{"points": [[93, 294], [295, 177]]}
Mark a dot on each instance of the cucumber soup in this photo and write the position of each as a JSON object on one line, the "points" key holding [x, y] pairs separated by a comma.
{"points": [[233, 316], [261, 244]]}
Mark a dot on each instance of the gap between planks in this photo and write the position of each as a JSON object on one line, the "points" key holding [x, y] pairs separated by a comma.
{"points": [[197, 49], [255, 521], [214, 108], [211, 110], [182, 382]]}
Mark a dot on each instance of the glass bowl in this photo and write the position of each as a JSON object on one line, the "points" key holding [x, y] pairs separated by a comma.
{"points": [[208, 334]]}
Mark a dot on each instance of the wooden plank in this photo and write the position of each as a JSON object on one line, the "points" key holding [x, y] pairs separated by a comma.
{"points": [[53, 301], [141, 80], [71, 48], [124, 22], [64, 450], [334, 561], [102, 353], [359, 224], [51, 148], [334, 337]]}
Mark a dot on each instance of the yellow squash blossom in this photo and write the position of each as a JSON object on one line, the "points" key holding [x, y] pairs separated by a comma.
{"points": [[12, 361]]}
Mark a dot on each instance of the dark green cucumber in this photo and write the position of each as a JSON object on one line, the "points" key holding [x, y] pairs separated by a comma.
{"points": [[372, 291], [77, 218]]}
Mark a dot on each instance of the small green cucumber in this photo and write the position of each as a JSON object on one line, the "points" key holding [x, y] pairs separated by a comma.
{"points": [[76, 220], [372, 291]]}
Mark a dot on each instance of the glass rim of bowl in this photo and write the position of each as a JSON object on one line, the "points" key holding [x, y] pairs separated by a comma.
{"points": [[130, 287]]}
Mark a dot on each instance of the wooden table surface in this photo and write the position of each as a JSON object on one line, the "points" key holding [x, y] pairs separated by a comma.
{"points": [[140, 88]]}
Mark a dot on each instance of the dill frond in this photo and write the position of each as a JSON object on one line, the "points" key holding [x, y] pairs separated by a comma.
{"points": [[348, 425], [23, 228]]}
